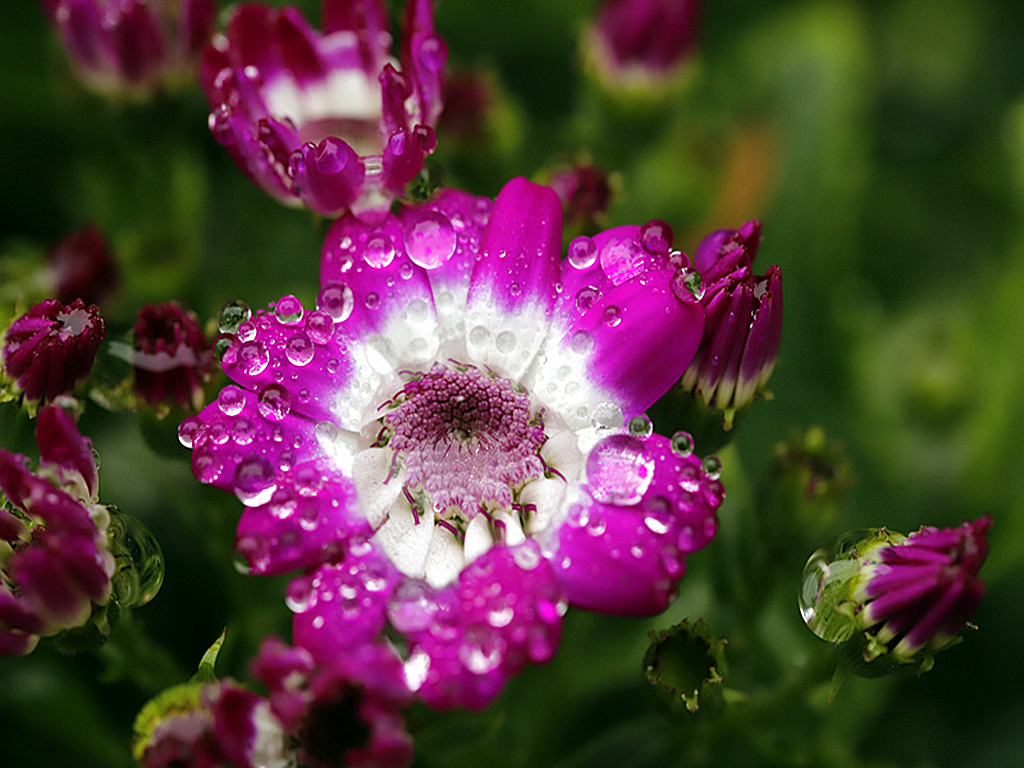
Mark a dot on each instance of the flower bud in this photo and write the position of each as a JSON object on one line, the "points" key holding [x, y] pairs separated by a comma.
{"points": [[888, 600], [171, 358], [82, 267], [586, 191], [743, 322]]}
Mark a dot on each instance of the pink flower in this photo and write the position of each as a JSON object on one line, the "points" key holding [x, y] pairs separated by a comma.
{"points": [[58, 564], [171, 356], [51, 348], [452, 446], [132, 47], [326, 120], [83, 268]]}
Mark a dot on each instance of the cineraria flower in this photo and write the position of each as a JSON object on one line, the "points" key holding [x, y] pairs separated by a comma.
{"points": [[347, 714], [895, 599], [171, 357], [51, 348], [208, 725], [55, 562], [744, 322], [326, 120], [82, 267], [642, 44], [453, 446], [132, 47]]}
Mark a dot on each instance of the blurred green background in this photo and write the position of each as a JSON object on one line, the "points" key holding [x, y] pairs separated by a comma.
{"points": [[881, 143]]}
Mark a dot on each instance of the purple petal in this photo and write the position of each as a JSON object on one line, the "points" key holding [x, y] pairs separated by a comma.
{"points": [[328, 176], [61, 445]]}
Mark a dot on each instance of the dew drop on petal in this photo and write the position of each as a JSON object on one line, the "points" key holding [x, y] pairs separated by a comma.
{"points": [[479, 335], [581, 342], [231, 400], [430, 239], [687, 286], [712, 467], [336, 300], [254, 480], [612, 315], [682, 444], [288, 310], [825, 579], [658, 515], [582, 253], [505, 342], [411, 606], [253, 358], [619, 470], [232, 315], [372, 300], [379, 251], [656, 237], [187, 429], [299, 349], [300, 595], [606, 416], [273, 402], [640, 426], [586, 297], [622, 258], [222, 344]]}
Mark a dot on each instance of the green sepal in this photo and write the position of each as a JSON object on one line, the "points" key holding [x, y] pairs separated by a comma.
{"points": [[685, 664]]}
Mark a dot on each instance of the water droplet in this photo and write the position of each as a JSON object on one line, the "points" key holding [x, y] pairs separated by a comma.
{"points": [[619, 470], [411, 606], [682, 444], [500, 617], [586, 297], [379, 250], [274, 402], [231, 400], [207, 468], [658, 516], [640, 426], [283, 503], [232, 315], [612, 315], [187, 429], [622, 258], [139, 561], [479, 335], [222, 344], [581, 342], [253, 358], [656, 237], [417, 312], [825, 583], [299, 349], [606, 416], [687, 287], [582, 253], [254, 480], [505, 342], [336, 300], [372, 300], [246, 331], [288, 310], [481, 652], [712, 467], [300, 594], [430, 239]]}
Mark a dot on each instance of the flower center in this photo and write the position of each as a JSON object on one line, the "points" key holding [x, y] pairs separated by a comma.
{"points": [[467, 441]]}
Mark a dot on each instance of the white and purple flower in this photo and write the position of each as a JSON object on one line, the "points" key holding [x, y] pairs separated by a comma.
{"points": [[452, 446], [132, 47], [326, 121]]}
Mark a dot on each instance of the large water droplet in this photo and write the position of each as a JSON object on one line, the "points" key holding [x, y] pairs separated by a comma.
{"points": [[288, 310], [319, 327], [430, 239], [274, 402], [582, 253], [586, 297], [299, 349], [640, 426], [687, 286], [712, 467], [619, 470], [232, 315], [622, 258], [682, 444], [606, 416], [231, 400], [253, 358], [411, 606], [656, 237], [138, 560], [379, 250], [254, 480], [336, 300], [826, 583], [581, 342], [187, 429]]}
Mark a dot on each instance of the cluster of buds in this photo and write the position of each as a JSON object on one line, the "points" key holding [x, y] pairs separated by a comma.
{"points": [[65, 556], [132, 47]]}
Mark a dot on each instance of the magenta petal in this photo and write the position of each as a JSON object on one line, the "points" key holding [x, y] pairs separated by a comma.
{"points": [[640, 325], [504, 612], [328, 176], [626, 558], [297, 42], [342, 607], [61, 445], [310, 518], [137, 43]]}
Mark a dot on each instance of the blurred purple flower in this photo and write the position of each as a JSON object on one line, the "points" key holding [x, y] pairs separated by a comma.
{"points": [[585, 190], [57, 564], [453, 447], [171, 356], [51, 348], [83, 267], [132, 47], [744, 321], [640, 44], [326, 121]]}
